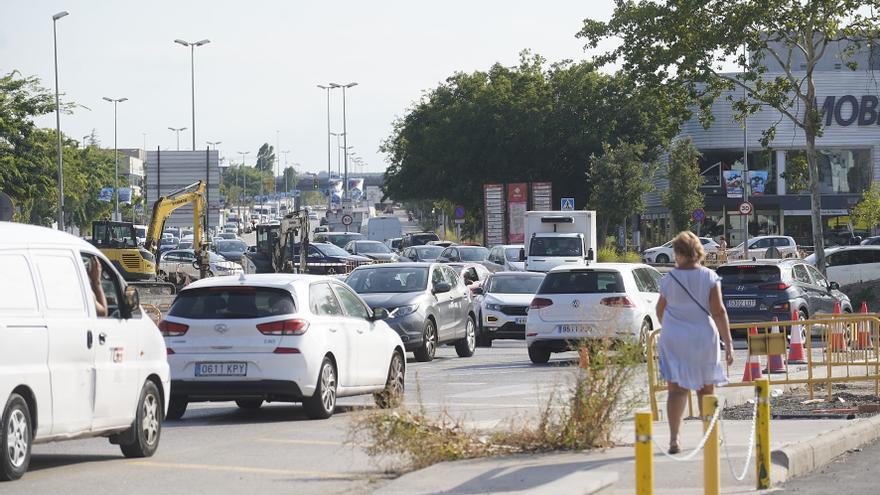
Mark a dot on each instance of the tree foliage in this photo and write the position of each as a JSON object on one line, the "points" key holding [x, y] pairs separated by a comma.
{"points": [[266, 159], [867, 212], [683, 45], [240, 180], [682, 195], [620, 179]]}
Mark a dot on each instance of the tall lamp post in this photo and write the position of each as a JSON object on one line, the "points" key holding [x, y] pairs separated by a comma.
{"points": [[115, 102], [329, 145], [338, 152], [284, 173], [58, 123], [177, 130], [192, 61], [345, 196], [243, 190]]}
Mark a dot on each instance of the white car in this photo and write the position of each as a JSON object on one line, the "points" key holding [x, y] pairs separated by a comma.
{"points": [[663, 254], [279, 337], [503, 303], [506, 258], [602, 300], [850, 264], [66, 372], [178, 264], [759, 246]]}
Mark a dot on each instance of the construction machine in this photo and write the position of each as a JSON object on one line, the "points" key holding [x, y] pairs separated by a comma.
{"points": [[274, 251], [118, 242], [163, 208]]}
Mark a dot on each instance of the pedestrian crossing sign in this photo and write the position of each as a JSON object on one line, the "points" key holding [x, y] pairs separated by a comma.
{"points": [[568, 204]]}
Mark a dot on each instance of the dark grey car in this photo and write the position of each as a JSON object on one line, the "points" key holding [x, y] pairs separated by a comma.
{"points": [[231, 249], [427, 303]]}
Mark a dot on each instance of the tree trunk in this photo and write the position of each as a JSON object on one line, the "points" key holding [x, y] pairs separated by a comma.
{"points": [[815, 199]]}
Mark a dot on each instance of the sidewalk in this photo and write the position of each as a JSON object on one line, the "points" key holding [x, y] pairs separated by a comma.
{"points": [[804, 444]]}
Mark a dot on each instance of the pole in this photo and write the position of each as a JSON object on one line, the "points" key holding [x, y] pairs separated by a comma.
{"points": [[762, 434], [207, 191], [58, 129], [345, 197], [329, 145], [192, 69], [644, 454], [711, 457], [116, 160], [746, 181]]}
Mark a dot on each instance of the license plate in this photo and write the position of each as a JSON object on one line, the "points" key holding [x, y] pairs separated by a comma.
{"points": [[740, 303], [521, 320], [564, 329], [221, 369]]}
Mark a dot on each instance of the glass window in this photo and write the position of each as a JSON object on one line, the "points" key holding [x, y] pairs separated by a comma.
{"points": [[762, 169], [555, 246], [232, 303], [818, 278], [353, 306], [451, 277], [640, 282], [436, 276], [389, 280], [17, 293], [645, 281], [582, 282], [473, 253], [841, 171], [322, 300], [512, 254], [514, 284], [799, 272], [748, 274]]}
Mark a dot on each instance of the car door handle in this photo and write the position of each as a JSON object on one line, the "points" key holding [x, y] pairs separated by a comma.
{"points": [[89, 340], [332, 329], [102, 338]]}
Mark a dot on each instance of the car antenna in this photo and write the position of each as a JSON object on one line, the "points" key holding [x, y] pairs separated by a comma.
{"points": [[241, 278]]}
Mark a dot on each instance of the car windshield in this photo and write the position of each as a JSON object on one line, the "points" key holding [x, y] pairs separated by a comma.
{"points": [[748, 274], [231, 246], [582, 282], [514, 284], [555, 246], [341, 240], [331, 250], [232, 302], [388, 280], [115, 235], [371, 247], [140, 232], [421, 239], [473, 253], [429, 252], [512, 254], [185, 245]]}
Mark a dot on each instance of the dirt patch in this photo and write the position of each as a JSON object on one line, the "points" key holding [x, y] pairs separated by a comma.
{"points": [[849, 402]]}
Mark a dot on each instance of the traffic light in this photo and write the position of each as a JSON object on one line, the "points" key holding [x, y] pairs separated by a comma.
{"points": [[315, 183]]}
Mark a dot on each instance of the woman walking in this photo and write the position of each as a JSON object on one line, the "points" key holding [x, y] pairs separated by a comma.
{"points": [[692, 313]]}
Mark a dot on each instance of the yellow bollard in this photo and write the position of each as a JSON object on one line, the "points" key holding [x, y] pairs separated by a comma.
{"points": [[762, 434], [711, 457], [644, 454]]}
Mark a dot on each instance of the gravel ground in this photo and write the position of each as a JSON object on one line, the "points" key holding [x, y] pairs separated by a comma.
{"points": [[792, 405]]}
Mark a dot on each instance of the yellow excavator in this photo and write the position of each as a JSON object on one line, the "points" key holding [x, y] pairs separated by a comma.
{"points": [[163, 208]]}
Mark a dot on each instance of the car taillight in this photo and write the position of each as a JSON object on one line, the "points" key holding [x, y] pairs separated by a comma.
{"points": [[540, 302], [774, 286], [286, 350], [172, 329], [284, 327], [617, 302], [169, 351]]}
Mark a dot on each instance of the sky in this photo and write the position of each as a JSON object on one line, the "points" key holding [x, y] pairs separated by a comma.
{"points": [[255, 82]]}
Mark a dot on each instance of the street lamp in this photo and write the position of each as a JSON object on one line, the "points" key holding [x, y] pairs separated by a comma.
{"points": [[115, 102], [344, 135], [329, 145], [243, 190], [177, 130], [338, 152], [284, 174], [55, 18], [192, 46]]}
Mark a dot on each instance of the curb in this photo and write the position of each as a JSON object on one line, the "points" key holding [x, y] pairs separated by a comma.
{"points": [[797, 459]]}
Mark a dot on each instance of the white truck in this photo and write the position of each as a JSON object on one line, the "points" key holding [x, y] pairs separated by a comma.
{"points": [[382, 228], [554, 238]]}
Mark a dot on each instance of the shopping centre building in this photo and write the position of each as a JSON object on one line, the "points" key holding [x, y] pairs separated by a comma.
{"points": [[848, 155]]}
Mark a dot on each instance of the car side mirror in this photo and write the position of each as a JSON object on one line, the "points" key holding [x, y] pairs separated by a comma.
{"points": [[468, 281], [478, 291], [833, 286], [441, 287], [132, 302], [590, 255], [522, 254], [380, 314]]}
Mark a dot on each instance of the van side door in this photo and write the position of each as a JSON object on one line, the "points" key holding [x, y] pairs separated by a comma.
{"points": [[71, 340]]}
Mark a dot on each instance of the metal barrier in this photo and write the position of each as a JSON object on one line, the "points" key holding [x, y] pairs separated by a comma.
{"points": [[847, 350]]}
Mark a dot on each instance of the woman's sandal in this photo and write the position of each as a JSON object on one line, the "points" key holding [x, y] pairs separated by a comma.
{"points": [[674, 449]]}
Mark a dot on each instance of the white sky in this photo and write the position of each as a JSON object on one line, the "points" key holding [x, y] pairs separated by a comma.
{"points": [[259, 72]]}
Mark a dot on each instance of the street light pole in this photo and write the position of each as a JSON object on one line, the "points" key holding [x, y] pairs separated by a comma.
{"points": [[338, 152], [58, 123], [243, 190], [329, 145], [177, 130], [115, 102], [286, 180], [192, 45], [345, 195]]}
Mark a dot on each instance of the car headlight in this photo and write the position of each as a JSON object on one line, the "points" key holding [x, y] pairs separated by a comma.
{"points": [[493, 307], [221, 268], [403, 311]]}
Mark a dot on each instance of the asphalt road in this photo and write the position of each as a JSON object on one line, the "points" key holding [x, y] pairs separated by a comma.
{"points": [[855, 472]]}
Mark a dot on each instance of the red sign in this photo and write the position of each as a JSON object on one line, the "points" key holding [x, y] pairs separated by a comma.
{"points": [[516, 212]]}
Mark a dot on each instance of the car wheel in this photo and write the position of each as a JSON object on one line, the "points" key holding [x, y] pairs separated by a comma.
{"points": [[426, 351], [661, 258], [392, 395], [465, 347], [176, 407], [147, 424], [249, 404], [15, 439], [539, 356], [323, 402], [644, 332]]}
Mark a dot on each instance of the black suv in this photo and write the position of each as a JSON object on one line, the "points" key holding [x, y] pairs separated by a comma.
{"points": [[417, 239], [760, 290]]}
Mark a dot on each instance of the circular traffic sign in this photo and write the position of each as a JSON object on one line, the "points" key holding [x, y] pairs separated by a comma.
{"points": [[459, 211], [346, 220], [745, 208], [699, 215]]}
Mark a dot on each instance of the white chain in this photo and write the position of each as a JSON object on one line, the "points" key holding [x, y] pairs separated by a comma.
{"points": [[751, 445], [702, 440]]}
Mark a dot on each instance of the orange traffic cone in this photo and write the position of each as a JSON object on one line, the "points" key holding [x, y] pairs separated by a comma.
{"points": [[837, 339], [775, 362], [796, 353], [753, 364], [863, 339]]}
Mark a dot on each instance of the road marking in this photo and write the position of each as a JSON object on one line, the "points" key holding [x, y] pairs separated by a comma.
{"points": [[242, 469], [302, 442]]}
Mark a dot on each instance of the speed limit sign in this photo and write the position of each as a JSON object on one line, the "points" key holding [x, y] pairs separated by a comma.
{"points": [[346, 220], [745, 208]]}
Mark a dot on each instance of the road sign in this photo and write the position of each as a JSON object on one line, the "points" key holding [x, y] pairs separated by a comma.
{"points": [[745, 208], [567, 204], [699, 215], [459, 221], [459, 211], [346, 220]]}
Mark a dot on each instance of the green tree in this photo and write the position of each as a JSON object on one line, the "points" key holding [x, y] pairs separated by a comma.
{"points": [[620, 178], [683, 45], [868, 210], [266, 159], [683, 196], [287, 181]]}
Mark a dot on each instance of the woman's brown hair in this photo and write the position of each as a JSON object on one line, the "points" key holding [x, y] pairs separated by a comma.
{"points": [[688, 246]]}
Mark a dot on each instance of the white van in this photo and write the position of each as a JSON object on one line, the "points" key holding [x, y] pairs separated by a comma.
{"points": [[65, 372], [850, 264], [383, 228]]}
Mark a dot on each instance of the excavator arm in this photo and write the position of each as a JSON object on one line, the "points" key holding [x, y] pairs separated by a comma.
{"points": [[166, 205]]}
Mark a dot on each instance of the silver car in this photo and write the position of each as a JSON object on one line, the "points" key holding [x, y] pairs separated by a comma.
{"points": [[428, 305]]}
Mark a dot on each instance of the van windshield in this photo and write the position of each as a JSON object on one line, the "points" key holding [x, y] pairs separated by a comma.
{"points": [[556, 246]]}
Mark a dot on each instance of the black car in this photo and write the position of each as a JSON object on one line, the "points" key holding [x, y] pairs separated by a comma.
{"points": [[759, 290], [417, 239], [231, 249], [373, 250], [329, 258]]}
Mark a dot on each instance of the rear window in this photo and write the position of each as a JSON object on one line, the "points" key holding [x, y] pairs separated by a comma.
{"points": [[232, 302], [422, 239], [582, 282], [748, 274]]}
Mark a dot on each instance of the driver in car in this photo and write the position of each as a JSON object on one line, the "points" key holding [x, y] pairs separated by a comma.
{"points": [[93, 266]]}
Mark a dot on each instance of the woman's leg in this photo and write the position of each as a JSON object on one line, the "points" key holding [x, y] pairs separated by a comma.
{"points": [[706, 390], [676, 401]]}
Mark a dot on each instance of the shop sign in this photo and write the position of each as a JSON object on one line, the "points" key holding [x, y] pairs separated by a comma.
{"points": [[848, 110]]}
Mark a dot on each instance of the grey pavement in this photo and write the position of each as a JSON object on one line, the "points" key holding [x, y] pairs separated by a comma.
{"points": [[854, 472]]}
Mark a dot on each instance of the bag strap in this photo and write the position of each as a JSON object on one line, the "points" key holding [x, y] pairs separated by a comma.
{"points": [[686, 291]]}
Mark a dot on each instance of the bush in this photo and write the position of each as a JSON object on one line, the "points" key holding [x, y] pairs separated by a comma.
{"points": [[608, 254]]}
